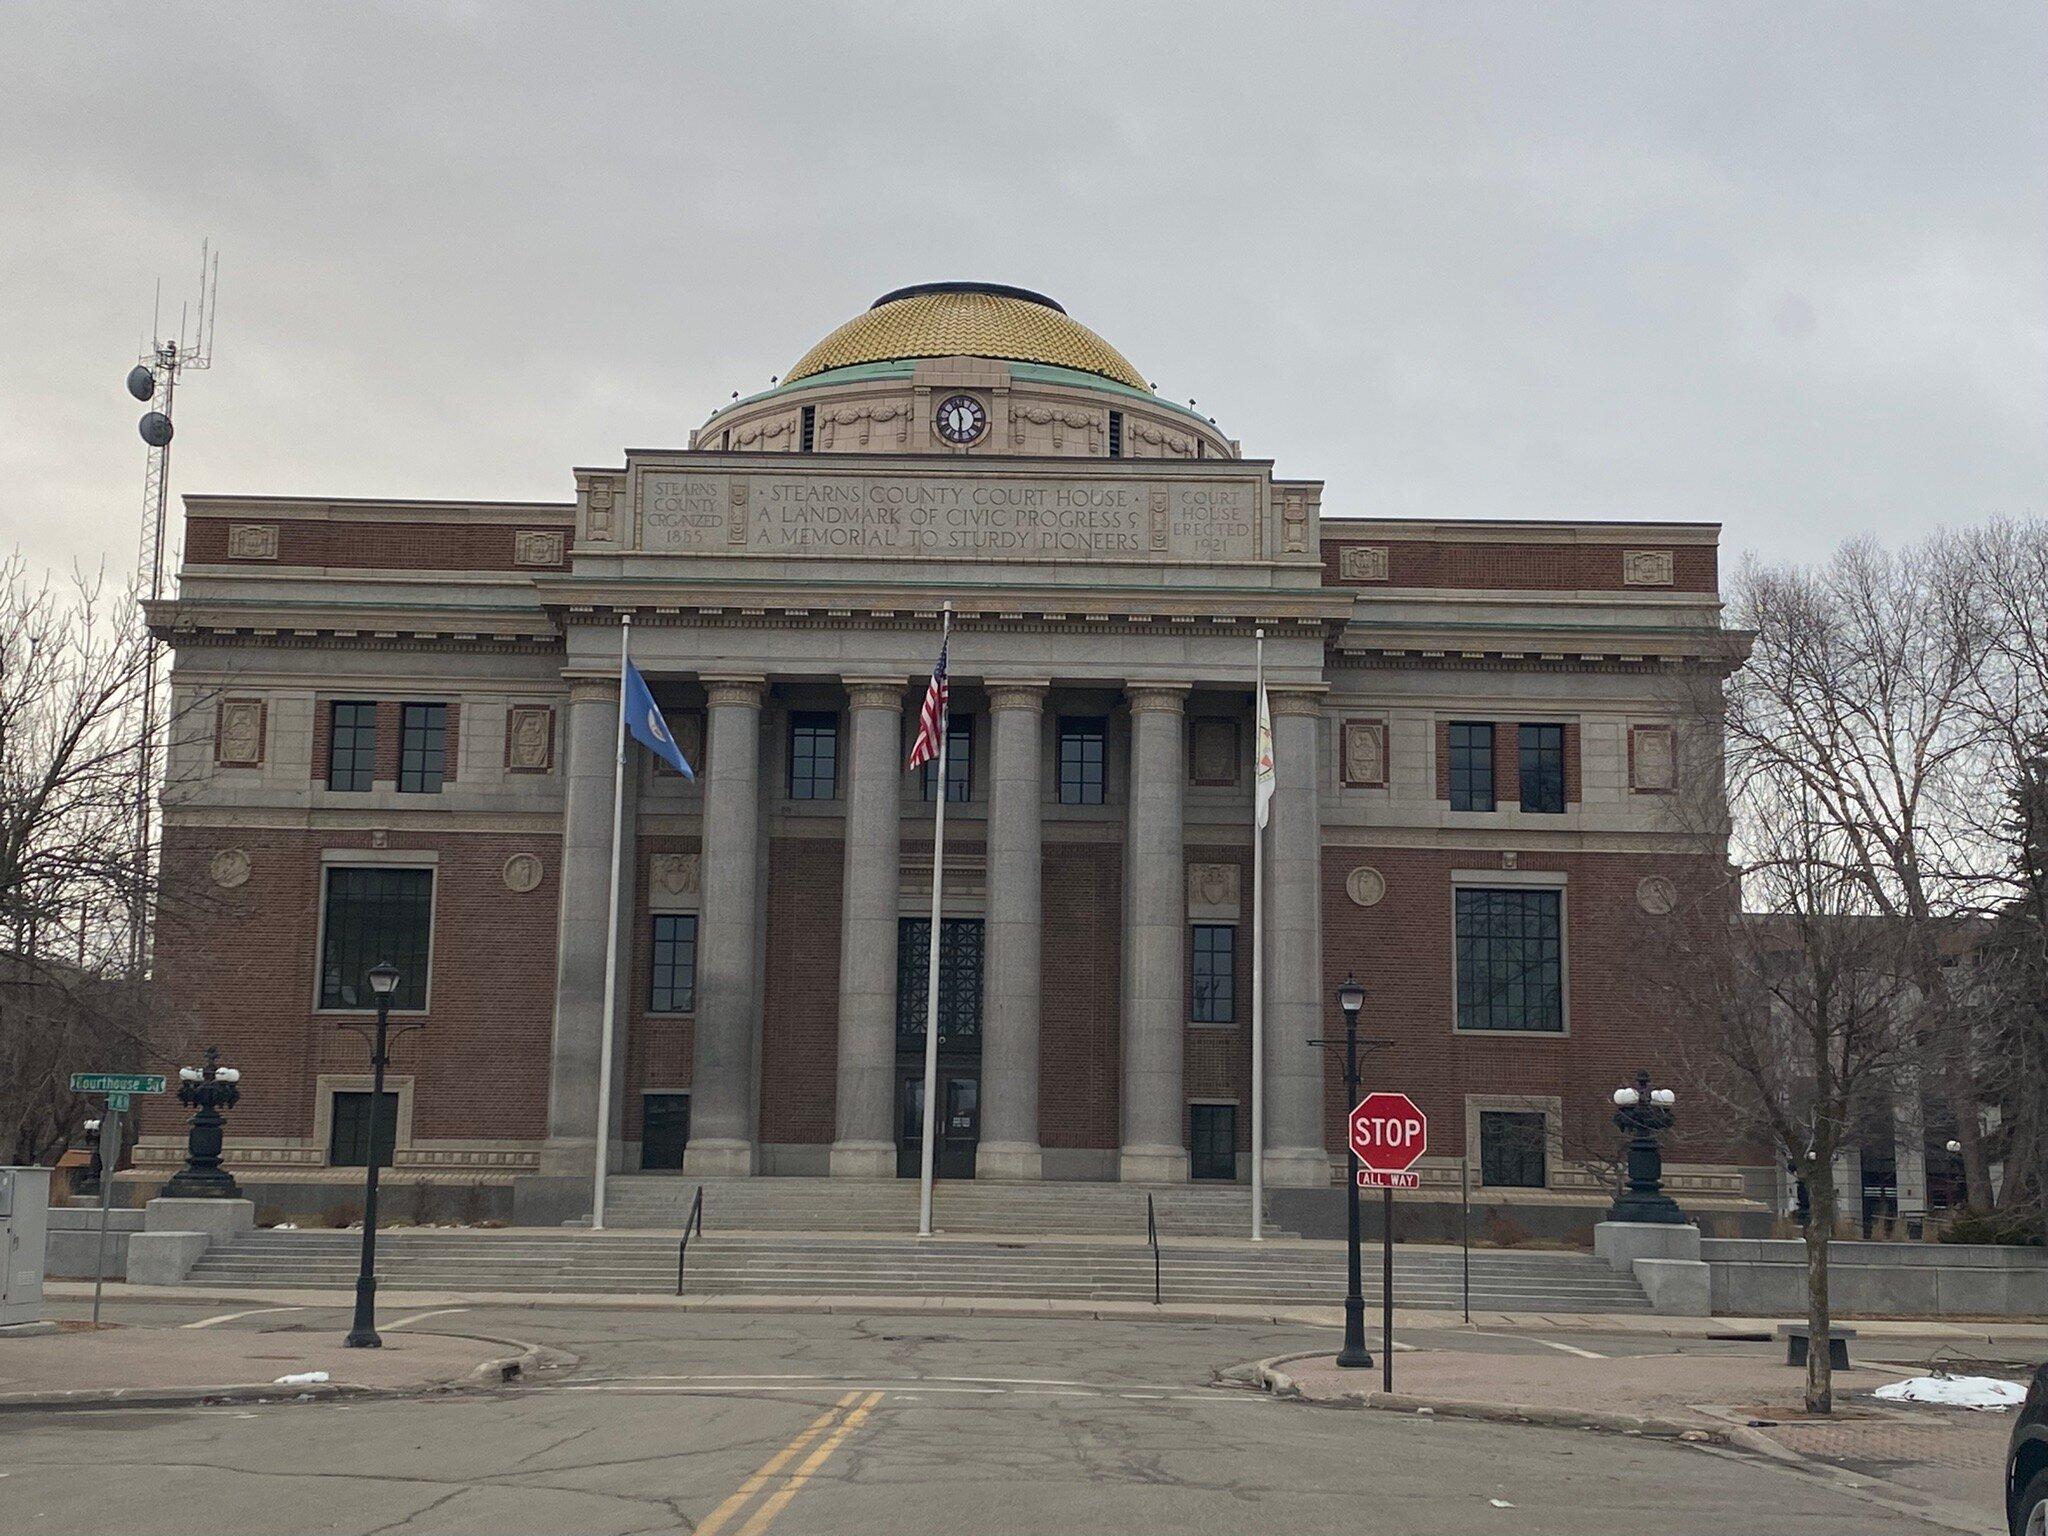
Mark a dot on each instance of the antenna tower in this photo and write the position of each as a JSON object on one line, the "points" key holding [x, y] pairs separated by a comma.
{"points": [[155, 378]]}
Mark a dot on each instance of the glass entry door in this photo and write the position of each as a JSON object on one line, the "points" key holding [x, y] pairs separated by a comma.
{"points": [[959, 1123], [959, 1119]]}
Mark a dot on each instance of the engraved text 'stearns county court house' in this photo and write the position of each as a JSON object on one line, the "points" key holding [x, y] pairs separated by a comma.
{"points": [[395, 742]]}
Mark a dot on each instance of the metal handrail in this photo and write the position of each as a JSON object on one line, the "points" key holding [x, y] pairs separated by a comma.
{"points": [[695, 1220], [1152, 1237]]}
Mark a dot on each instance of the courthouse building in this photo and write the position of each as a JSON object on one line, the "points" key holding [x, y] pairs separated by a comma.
{"points": [[396, 728]]}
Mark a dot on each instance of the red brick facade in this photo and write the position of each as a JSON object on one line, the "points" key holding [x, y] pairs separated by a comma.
{"points": [[380, 546]]}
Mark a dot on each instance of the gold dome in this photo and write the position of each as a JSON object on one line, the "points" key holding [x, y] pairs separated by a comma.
{"points": [[967, 320]]}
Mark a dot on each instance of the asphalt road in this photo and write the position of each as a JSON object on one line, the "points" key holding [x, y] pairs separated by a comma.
{"points": [[737, 1425]]}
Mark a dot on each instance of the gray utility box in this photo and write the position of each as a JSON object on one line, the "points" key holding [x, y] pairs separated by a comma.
{"points": [[24, 1220]]}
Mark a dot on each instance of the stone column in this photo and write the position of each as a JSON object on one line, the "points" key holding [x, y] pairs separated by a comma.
{"points": [[1009, 1030], [728, 1014], [865, 1148], [590, 741], [1296, 1008], [1155, 999]]}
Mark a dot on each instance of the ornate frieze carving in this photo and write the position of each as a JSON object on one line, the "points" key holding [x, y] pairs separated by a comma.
{"points": [[1646, 568], [1362, 562], [252, 541], [238, 743], [529, 738], [672, 875], [537, 546], [1213, 892], [604, 524], [1365, 753]]}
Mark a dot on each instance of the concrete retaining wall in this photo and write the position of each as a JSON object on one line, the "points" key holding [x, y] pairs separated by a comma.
{"points": [[1754, 1277], [74, 1241]]}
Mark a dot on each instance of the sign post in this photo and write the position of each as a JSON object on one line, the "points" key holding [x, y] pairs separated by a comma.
{"points": [[119, 1088], [1389, 1134]]}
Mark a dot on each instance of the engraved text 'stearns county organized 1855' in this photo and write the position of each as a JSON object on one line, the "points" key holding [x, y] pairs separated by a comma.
{"points": [[856, 516]]}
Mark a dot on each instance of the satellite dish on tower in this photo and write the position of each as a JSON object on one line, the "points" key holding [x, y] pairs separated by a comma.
{"points": [[141, 382], [155, 428]]}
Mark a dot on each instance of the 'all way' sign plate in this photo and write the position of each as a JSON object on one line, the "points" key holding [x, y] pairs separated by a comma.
{"points": [[117, 1082]]}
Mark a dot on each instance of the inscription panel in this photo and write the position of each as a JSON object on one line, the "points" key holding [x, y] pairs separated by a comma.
{"points": [[1013, 518]]}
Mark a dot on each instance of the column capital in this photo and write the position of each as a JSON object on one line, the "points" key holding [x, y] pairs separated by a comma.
{"points": [[1016, 692], [875, 692], [592, 690], [1297, 699], [1165, 698], [733, 688]]}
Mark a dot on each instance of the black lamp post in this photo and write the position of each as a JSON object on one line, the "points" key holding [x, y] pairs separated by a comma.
{"points": [[1643, 1114], [206, 1091], [383, 981], [1351, 998]]}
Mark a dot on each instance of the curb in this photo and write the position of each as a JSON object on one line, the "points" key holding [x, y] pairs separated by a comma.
{"points": [[488, 1373], [1281, 1385]]}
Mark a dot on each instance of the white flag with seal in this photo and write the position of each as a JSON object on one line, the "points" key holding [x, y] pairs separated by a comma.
{"points": [[1262, 773]]}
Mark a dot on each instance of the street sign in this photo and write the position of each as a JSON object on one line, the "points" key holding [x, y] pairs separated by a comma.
{"points": [[1372, 1178], [117, 1082], [1388, 1133], [118, 1100]]}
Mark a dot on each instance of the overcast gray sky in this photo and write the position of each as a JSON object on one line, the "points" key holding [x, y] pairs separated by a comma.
{"points": [[1775, 265]]}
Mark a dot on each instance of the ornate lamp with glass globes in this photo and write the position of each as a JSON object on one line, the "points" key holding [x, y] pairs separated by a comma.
{"points": [[206, 1091], [1643, 1113]]}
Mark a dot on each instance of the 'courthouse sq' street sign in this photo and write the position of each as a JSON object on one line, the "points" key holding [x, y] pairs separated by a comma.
{"points": [[117, 1082]]}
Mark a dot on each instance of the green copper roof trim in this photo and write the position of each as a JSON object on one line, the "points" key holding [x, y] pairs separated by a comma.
{"points": [[904, 367]]}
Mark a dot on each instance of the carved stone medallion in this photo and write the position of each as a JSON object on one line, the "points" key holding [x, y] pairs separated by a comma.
{"points": [[1212, 890], [522, 872], [673, 874], [230, 868], [1656, 895], [1366, 886]]}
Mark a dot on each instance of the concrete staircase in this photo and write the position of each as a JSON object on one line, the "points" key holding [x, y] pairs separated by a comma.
{"points": [[889, 1207], [1193, 1270]]}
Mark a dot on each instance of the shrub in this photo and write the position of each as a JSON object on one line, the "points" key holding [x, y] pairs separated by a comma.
{"points": [[2009, 1229]]}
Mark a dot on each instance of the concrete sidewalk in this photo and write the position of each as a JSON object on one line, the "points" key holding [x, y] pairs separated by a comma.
{"points": [[139, 1367], [1944, 1465]]}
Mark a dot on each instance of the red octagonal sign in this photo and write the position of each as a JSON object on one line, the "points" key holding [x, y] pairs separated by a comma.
{"points": [[1388, 1132]]}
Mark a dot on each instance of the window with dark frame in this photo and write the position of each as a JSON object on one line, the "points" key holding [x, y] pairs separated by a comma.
{"points": [[422, 748], [1541, 750], [810, 428], [813, 754], [1512, 1149], [1471, 746], [1212, 1141], [1510, 956], [372, 916], [959, 762], [351, 745], [672, 979], [348, 1141], [1116, 434], [1083, 739], [1212, 973]]}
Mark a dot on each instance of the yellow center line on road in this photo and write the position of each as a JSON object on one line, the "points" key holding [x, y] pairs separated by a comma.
{"points": [[716, 1520], [765, 1515]]}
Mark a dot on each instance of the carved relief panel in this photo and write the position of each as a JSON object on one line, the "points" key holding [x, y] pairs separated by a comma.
{"points": [[529, 738], [1647, 568], [238, 735], [1365, 753], [1212, 752]]}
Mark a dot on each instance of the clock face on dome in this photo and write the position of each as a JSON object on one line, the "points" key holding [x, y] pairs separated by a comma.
{"points": [[961, 419]]}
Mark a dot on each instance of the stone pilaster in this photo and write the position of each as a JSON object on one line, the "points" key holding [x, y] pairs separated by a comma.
{"points": [[590, 743], [1294, 950], [1155, 997], [865, 1148], [1010, 1013], [728, 1006]]}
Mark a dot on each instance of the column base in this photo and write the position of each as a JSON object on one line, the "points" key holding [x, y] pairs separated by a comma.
{"points": [[719, 1158], [1010, 1162], [1297, 1168], [863, 1160], [1152, 1165]]}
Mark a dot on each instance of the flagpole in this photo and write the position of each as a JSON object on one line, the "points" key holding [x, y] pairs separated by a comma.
{"points": [[931, 984], [1258, 948], [611, 945]]}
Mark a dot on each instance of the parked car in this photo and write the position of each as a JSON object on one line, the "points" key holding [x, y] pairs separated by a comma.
{"points": [[2026, 1463]]}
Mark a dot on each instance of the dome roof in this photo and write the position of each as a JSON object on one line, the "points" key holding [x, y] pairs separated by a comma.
{"points": [[967, 320]]}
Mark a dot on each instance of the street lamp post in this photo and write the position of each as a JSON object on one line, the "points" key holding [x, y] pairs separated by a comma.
{"points": [[1644, 1113], [383, 981], [1351, 998], [206, 1091]]}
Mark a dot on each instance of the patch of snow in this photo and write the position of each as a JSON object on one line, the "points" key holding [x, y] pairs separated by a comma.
{"points": [[1986, 1392], [1500, 1503], [300, 1379]]}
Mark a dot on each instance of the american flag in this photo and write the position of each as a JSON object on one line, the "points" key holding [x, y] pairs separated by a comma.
{"points": [[931, 720]]}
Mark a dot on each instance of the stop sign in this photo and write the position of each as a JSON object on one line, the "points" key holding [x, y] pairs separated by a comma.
{"points": [[1388, 1132]]}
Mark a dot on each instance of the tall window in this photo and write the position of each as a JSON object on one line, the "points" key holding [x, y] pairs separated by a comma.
{"points": [[959, 761], [351, 745], [1510, 960], [348, 1145], [423, 748], [1116, 434], [371, 916], [674, 983], [813, 754], [1471, 766], [1511, 1154], [810, 428], [1542, 755], [1081, 759], [1214, 973]]}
